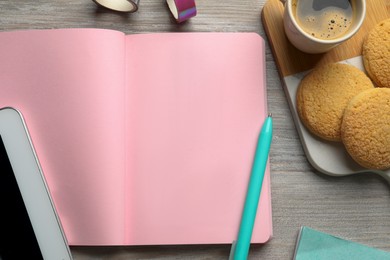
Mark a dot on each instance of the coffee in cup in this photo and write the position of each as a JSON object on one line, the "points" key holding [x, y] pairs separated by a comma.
{"points": [[316, 26]]}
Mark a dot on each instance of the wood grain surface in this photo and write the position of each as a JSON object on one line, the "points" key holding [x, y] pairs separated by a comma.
{"points": [[290, 60], [356, 208]]}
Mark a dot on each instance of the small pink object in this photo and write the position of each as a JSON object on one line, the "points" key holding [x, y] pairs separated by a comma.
{"points": [[182, 10]]}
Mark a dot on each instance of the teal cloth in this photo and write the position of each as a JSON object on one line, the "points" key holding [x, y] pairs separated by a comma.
{"points": [[317, 245]]}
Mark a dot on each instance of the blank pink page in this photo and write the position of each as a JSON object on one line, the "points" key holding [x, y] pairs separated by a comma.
{"points": [[68, 84], [196, 103]]}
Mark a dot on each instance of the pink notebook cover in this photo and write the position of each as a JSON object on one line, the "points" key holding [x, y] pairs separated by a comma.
{"points": [[143, 139]]}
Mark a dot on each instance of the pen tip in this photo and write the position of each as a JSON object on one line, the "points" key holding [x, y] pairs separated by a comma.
{"points": [[269, 114]]}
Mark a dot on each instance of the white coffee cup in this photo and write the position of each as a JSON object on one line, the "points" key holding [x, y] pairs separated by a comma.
{"points": [[310, 44]]}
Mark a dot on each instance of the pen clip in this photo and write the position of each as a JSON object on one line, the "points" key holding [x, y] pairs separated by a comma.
{"points": [[232, 249]]}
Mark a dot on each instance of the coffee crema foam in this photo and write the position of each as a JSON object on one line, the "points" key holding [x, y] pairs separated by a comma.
{"points": [[323, 19]]}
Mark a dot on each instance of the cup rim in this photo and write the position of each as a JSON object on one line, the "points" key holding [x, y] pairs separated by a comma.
{"points": [[332, 41]]}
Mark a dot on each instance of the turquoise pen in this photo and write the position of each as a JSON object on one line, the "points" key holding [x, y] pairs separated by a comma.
{"points": [[253, 193]]}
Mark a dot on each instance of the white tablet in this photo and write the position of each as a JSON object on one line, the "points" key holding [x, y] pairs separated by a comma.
{"points": [[29, 225]]}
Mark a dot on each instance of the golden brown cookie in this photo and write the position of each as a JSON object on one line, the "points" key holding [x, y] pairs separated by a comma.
{"points": [[365, 129], [323, 95], [376, 54]]}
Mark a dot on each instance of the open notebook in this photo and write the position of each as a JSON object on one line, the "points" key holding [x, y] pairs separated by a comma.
{"points": [[143, 139]]}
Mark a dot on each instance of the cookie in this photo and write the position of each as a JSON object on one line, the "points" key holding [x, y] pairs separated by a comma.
{"points": [[323, 95], [376, 54], [365, 129]]}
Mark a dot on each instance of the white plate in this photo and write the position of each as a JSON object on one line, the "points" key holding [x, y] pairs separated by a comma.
{"points": [[327, 157]]}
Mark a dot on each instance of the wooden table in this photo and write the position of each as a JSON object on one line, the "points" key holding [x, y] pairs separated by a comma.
{"points": [[356, 208]]}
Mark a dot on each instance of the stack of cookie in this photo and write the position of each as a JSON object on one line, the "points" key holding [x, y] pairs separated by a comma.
{"points": [[339, 102]]}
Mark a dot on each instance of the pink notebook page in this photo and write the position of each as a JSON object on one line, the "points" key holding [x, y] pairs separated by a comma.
{"points": [[196, 103], [69, 86], [184, 157]]}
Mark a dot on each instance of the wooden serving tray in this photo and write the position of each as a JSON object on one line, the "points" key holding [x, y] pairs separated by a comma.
{"points": [[328, 157]]}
